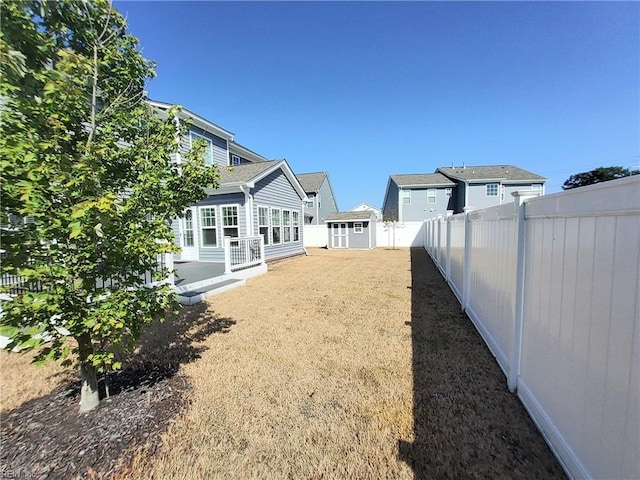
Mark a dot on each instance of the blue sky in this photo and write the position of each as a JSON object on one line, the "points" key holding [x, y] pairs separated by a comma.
{"points": [[364, 90]]}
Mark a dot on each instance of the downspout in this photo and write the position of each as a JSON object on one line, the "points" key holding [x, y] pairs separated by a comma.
{"points": [[400, 205], [248, 208]]}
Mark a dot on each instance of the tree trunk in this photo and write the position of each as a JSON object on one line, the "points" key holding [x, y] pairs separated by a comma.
{"points": [[89, 395]]}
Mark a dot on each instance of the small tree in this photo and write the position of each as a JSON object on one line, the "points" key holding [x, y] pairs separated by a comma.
{"points": [[600, 174], [87, 161]]}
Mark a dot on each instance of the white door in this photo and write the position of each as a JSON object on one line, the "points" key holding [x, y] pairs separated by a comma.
{"points": [[189, 237], [339, 235]]}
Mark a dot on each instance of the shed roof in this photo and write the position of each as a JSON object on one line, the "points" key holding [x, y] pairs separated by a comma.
{"points": [[350, 216], [507, 173], [311, 182], [422, 179]]}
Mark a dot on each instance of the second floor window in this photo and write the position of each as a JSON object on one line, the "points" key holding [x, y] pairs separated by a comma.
{"points": [[208, 153], [309, 202], [431, 195], [492, 190], [406, 197], [235, 160]]}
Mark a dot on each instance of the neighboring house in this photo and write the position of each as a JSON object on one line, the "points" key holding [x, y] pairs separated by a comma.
{"points": [[255, 198], [321, 201], [421, 196], [486, 186], [354, 230], [365, 206], [412, 198]]}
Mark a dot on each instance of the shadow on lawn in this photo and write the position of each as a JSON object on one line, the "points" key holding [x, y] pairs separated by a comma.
{"points": [[466, 423], [165, 346]]}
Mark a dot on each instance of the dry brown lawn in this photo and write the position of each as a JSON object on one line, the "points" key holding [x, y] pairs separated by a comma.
{"points": [[342, 364]]}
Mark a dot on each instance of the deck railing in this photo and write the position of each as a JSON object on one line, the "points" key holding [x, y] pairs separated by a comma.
{"points": [[240, 253]]}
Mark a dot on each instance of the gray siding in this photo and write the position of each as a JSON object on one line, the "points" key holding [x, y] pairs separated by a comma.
{"points": [[276, 191], [359, 240], [419, 209], [390, 208], [220, 148], [328, 204], [364, 240], [478, 197]]}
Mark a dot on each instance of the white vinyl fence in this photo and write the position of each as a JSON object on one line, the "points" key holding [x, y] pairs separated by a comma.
{"points": [[551, 283], [400, 235]]}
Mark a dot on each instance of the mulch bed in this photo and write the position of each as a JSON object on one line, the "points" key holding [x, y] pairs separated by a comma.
{"points": [[46, 438]]}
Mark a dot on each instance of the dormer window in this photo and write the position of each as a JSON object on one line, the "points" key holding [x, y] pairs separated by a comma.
{"points": [[235, 160]]}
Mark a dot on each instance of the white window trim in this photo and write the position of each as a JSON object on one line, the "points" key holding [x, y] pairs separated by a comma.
{"points": [[222, 225], [358, 227], [268, 225], [284, 227], [206, 139], [272, 226], [201, 227], [486, 190], [235, 160], [448, 191], [295, 225], [403, 196], [434, 197]]}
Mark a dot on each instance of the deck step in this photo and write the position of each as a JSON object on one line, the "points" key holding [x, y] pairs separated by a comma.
{"points": [[197, 295]]}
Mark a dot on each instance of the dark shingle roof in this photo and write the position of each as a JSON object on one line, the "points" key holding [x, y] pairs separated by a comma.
{"points": [[426, 179], [245, 172], [311, 182], [349, 216], [491, 172]]}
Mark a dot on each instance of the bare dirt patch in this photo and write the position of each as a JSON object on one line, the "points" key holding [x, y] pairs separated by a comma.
{"points": [[337, 365]]}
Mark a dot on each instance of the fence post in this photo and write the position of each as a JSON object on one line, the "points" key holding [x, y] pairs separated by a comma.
{"points": [[448, 247], [168, 263], [466, 277], [521, 232], [226, 243]]}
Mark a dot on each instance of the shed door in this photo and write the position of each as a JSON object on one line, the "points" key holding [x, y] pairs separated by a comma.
{"points": [[339, 235]]}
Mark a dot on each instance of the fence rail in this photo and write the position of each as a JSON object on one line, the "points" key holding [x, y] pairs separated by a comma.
{"points": [[241, 253], [551, 283]]}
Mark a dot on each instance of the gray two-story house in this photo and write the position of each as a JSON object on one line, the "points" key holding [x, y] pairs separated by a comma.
{"points": [[321, 202], [255, 198], [416, 197], [489, 185], [412, 198]]}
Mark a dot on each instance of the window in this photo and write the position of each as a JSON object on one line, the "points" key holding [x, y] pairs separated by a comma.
{"points": [[208, 151], [235, 160], [208, 224], [431, 195], [263, 223], [295, 221], [286, 225], [309, 202], [447, 192], [357, 227], [187, 227], [406, 197], [230, 221], [275, 226], [492, 190]]}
